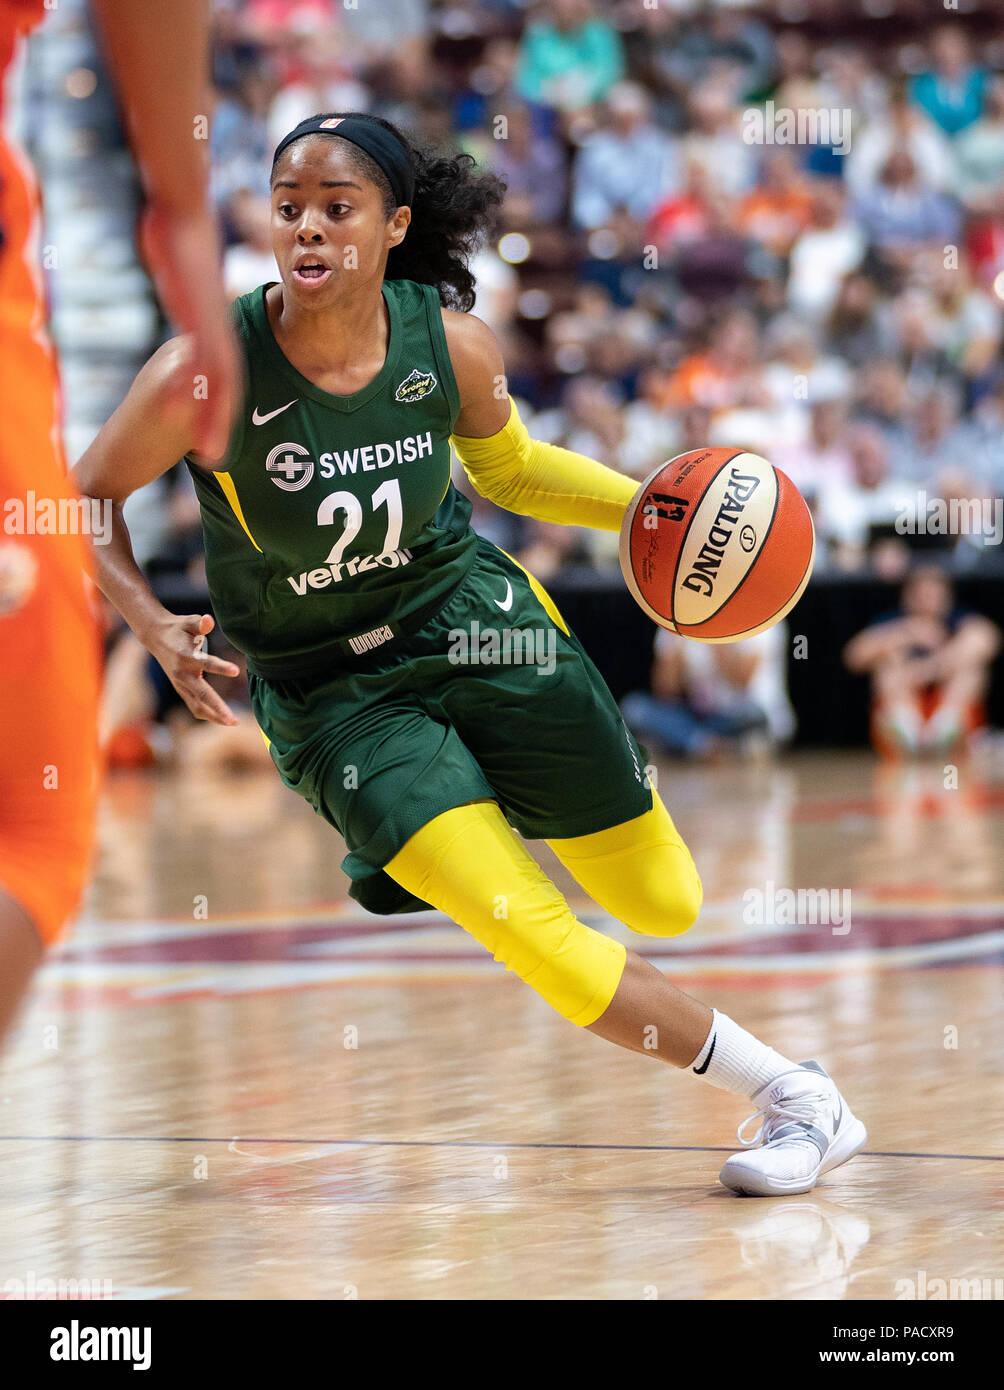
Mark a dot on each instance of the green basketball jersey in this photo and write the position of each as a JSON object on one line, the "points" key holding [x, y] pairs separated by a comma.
{"points": [[332, 519]]}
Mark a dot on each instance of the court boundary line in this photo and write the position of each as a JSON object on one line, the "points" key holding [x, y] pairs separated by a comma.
{"points": [[439, 1144]]}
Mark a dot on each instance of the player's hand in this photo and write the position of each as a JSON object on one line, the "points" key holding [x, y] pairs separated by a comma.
{"points": [[183, 253], [178, 645]]}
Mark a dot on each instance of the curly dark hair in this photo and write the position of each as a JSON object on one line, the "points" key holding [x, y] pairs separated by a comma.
{"points": [[453, 210]]}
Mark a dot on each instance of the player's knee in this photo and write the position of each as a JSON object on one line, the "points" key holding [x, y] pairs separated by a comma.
{"points": [[671, 901], [572, 967]]}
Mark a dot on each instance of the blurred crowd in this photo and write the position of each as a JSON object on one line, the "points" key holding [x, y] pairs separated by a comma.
{"points": [[669, 272], [719, 228]]}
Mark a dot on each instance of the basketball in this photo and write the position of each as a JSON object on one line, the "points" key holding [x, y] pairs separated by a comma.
{"points": [[717, 545]]}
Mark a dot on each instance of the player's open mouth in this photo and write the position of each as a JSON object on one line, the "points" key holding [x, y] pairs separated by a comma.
{"points": [[311, 273]]}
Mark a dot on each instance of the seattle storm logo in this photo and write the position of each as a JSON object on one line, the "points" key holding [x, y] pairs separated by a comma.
{"points": [[415, 386]]}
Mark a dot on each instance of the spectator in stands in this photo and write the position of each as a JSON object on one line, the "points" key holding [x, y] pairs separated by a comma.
{"points": [[857, 329], [707, 699], [779, 207], [266, 21], [853, 517], [672, 54], [714, 140], [937, 441], [590, 419], [800, 370], [240, 151], [250, 262], [979, 151], [849, 82], [627, 167], [497, 291], [929, 664], [728, 373], [532, 163], [824, 252], [918, 348], [901, 218], [569, 57], [319, 78], [906, 128], [652, 433], [394, 31], [882, 399], [951, 91], [683, 216], [714, 268], [986, 456], [966, 322], [824, 458]]}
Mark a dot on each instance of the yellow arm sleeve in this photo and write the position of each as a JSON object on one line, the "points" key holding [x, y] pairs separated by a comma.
{"points": [[543, 480]]}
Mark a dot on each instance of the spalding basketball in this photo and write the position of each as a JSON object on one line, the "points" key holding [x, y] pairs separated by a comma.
{"points": [[717, 545]]}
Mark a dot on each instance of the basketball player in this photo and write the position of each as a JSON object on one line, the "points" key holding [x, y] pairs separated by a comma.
{"points": [[49, 648], [342, 563]]}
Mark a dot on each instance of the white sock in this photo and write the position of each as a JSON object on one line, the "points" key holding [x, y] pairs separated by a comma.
{"points": [[734, 1060]]}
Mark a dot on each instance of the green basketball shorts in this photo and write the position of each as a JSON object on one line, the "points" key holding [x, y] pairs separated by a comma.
{"points": [[493, 698]]}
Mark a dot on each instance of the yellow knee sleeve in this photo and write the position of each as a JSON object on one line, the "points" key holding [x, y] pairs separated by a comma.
{"points": [[640, 871], [469, 863]]}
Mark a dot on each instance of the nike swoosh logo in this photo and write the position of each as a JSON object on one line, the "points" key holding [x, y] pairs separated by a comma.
{"points": [[840, 1114], [508, 599], [699, 1071], [259, 419]]}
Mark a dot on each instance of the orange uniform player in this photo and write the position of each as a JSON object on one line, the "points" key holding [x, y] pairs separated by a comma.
{"points": [[49, 656], [49, 649]]}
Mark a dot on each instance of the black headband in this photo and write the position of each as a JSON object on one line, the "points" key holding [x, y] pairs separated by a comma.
{"points": [[378, 142]]}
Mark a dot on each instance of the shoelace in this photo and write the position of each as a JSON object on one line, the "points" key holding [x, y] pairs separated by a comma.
{"points": [[798, 1108]]}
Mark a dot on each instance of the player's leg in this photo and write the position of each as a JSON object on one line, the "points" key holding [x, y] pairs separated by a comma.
{"points": [[897, 722], [469, 864], [49, 652], [955, 707], [20, 953], [643, 874], [48, 772]]}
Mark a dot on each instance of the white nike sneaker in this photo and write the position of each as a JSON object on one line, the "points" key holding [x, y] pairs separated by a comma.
{"points": [[805, 1130]]}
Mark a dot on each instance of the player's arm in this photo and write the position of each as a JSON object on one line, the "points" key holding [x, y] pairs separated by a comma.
{"points": [[738, 664], [975, 643], [151, 430], [503, 463], [877, 644], [158, 53]]}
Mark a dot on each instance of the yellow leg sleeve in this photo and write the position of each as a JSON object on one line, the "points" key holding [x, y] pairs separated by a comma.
{"points": [[640, 871], [469, 863]]}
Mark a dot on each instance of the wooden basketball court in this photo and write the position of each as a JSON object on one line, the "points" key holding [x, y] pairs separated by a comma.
{"points": [[233, 1083]]}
